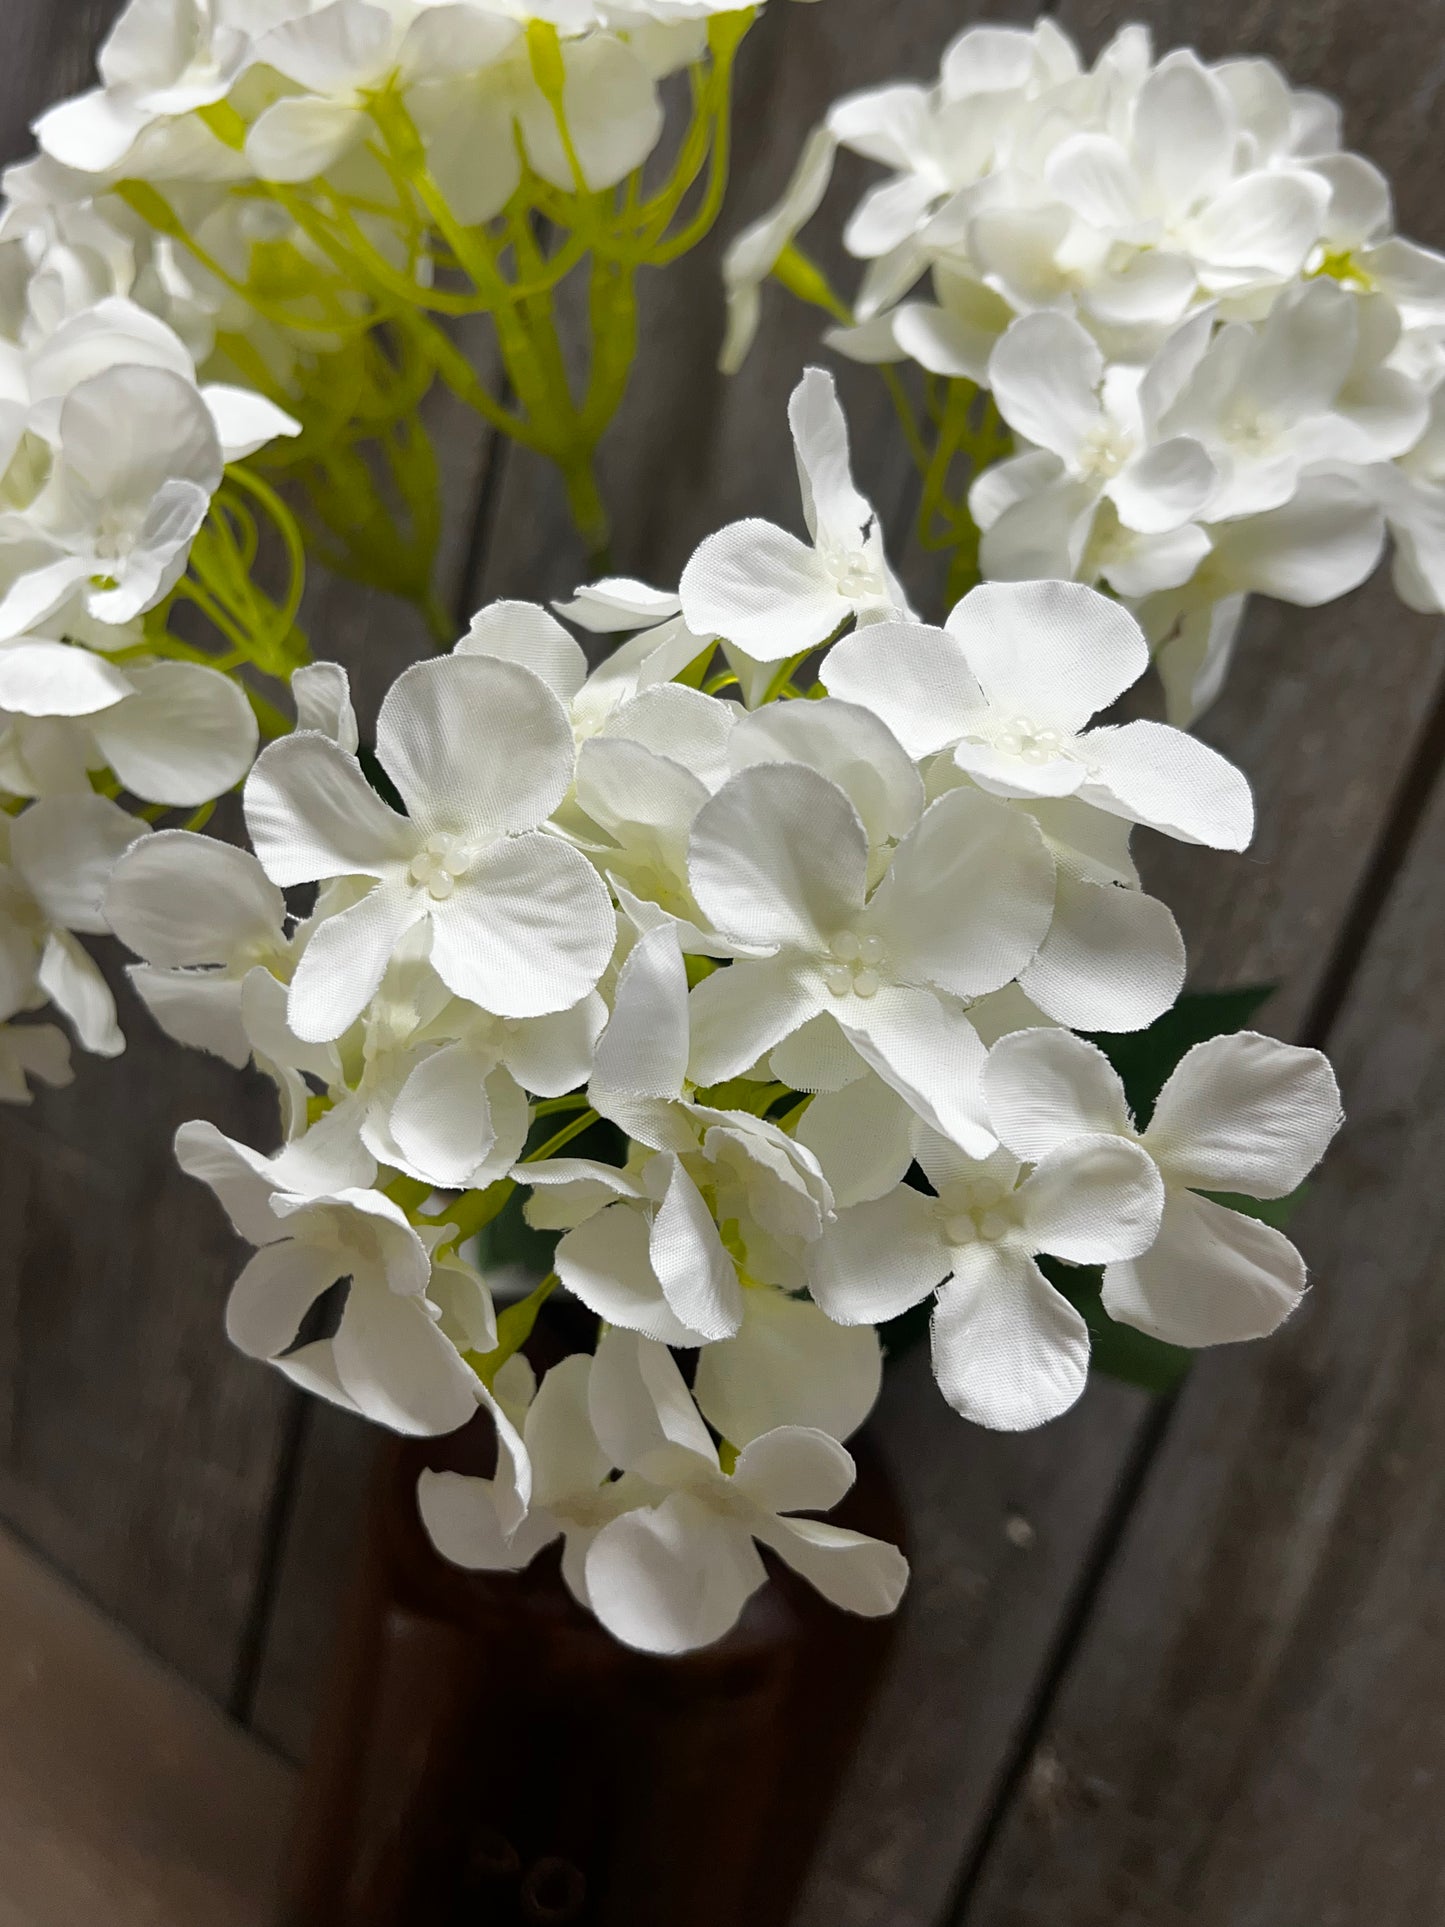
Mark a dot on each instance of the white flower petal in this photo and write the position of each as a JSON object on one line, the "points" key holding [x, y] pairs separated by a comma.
{"points": [[73, 983], [274, 1292], [394, 1362], [644, 1048], [914, 678], [525, 634], [1214, 1277], [968, 897], [1091, 1200], [864, 1137], [66, 848], [794, 1468], [55, 679], [1045, 1087], [1008, 1351], [789, 1365], [925, 1047], [1044, 376], [878, 1259], [529, 929], [475, 745], [177, 899], [186, 734], [442, 1118], [688, 1259], [1246, 1113], [197, 1008], [1157, 775], [344, 961], [1113, 959], [779, 856], [763, 589], [846, 743], [1054, 652], [671, 1579], [322, 694], [605, 1263], [860, 1574], [312, 814]]}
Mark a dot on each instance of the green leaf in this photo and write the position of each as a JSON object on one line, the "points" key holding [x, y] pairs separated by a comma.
{"points": [[1271, 1211], [1145, 1059]]}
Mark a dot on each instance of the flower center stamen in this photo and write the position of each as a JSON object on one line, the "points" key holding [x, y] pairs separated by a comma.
{"points": [[1031, 742], [439, 864], [857, 964]]}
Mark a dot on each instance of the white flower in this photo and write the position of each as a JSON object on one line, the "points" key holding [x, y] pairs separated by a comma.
{"points": [[1174, 182], [1312, 550], [552, 1477], [454, 1103], [172, 732], [481, 752], [773, 596], [665, 1555], [1241, 1114], [1269, 402], [201, 915], [52, 884], [1009, 1351], [1010, 687], [1053, 387], [162, 58], [675, 1575], [779, 861], [137, 462], [388, 1358]]}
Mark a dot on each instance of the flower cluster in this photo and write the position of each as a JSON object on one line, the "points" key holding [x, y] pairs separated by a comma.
{"points": [[1212, 366], [321, 187], [765, 996], [122, 500]]}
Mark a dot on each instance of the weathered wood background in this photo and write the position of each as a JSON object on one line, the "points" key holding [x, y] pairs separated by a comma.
{"points": [[1172, 1665]]}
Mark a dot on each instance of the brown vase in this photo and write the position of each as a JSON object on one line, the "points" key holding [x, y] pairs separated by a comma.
{"points": [[488, 1754]]}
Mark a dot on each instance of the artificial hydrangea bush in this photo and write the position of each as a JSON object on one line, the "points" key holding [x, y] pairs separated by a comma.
{"points": [[1160, 315], [776, 956], [819, 954]]}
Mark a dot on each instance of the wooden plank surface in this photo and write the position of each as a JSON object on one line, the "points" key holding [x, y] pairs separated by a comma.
{"points": [[126, 1800], [1251, 1732]]}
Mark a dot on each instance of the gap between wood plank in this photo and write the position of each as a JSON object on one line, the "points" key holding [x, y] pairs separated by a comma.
{"points": [[256, 1632]]}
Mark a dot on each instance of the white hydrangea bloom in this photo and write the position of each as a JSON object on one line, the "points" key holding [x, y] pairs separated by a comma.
{"points": [[1241, 1114], [315, 1223], [55, 860], [665, 1555], [519, 922], [1218, 360], [770, 595]]}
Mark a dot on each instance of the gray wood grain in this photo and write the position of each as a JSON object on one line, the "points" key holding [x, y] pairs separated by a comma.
{"points": [[1251, 1732]]}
